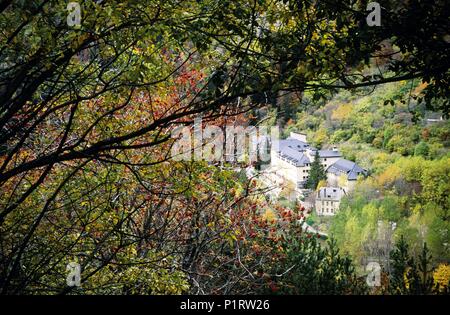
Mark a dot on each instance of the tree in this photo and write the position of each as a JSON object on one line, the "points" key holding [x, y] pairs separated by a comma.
{"points": [[400, 264], [316, 172], [322, 183], [442, 277], [409, 276], [310, 268], [422, 149], [86, 116]]}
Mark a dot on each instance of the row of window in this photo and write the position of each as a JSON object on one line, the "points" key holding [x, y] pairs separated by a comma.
{"points": [[328, 210]]}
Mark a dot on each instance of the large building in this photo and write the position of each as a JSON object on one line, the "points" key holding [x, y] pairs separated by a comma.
{"points": [[328, 200], [291, 159], [344, 173]]}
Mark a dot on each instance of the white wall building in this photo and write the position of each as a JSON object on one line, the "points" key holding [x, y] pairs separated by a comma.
{"points": [[328, 200], [291, 160], [344, 173]]}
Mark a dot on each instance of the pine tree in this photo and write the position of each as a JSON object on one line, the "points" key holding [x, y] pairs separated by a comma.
{"points": [[316, 173], [423, 281], [409, 277], [401, 263], [318, 270]]}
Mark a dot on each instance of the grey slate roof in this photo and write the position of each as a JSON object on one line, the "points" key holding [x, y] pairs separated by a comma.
{"points": [[329, 153], [330, 193], [343, 166], [295, 144], [294, 151]]}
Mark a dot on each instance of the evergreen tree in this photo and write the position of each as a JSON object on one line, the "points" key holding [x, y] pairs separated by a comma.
{"points": [[422, 274], [409, 277], [316, 269], [316, 173], [400, 265]]}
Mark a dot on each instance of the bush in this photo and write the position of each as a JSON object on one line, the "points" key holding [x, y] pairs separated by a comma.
{"points": [[422, 149]]}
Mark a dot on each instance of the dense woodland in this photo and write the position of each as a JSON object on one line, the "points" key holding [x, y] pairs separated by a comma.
{"points": [[87, 111], [406, 194]]}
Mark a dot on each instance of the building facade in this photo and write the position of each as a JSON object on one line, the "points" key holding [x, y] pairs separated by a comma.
{"points": [[292, 158], [328, 200], [344, 173]]}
